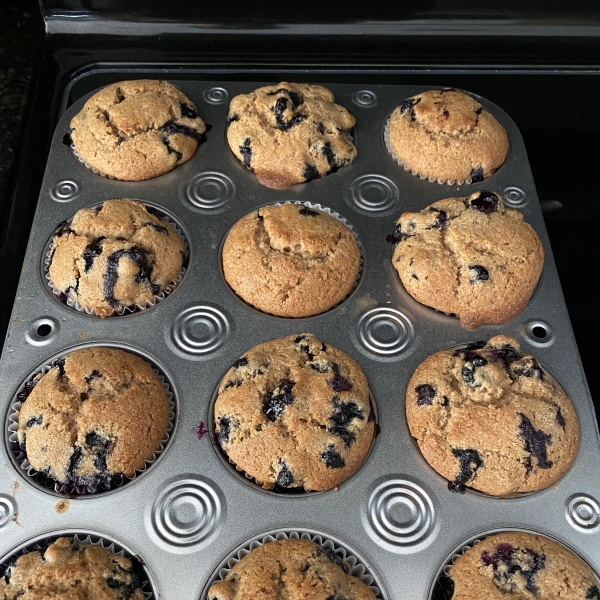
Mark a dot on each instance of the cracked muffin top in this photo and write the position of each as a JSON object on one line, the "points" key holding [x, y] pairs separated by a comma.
{"points": [[291, 569], [290, 133], [487, 416], [295, 413], [71, 570], [469, 256], [290, 260], [447, 135], [522, 566], [96, 414], [135, 130], [116, 256]]}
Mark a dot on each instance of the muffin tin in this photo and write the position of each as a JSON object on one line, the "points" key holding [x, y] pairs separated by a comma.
{"points": [[189, 514]]}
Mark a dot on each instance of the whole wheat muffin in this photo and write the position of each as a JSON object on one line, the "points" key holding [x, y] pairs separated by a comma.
{"points": [[295, 413], [469, 256], [97, 413], [290, 133], [487, 416], [116, 256], [446, 135], [71, 570], [134, 130], [291, 569]]}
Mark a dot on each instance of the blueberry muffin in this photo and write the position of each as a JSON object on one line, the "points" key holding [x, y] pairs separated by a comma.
{"points": [[446, 135], [524, 566], [489, 417], [290, 133], [295, 413], [96, 415], [113, 257], [291, 260], [469, 256], [71, 570], [134, 130], [291, 569]]}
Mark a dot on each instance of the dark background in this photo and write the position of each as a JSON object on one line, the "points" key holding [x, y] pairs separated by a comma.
{"points": [[548, 85]]}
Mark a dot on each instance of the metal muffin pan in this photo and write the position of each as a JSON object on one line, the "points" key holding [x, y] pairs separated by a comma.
{"points": [[189, 512]]}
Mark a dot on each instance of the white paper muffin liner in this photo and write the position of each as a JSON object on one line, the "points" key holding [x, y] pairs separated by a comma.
{"points": [[41, 543], [127, 309], [443, 587], [46, 483], [87, 165], [337, 217], [241, 474], [355, 565], [388, 145]]}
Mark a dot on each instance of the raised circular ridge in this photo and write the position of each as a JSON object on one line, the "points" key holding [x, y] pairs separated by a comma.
{"points": [[209, 191], [514, 196], [216, 95], [64, 191], [356, 563], [401, 514], [8, 508], [374, 193], [186, 513], [365, 98], [384, 331], [583, 512], [200, 330]]}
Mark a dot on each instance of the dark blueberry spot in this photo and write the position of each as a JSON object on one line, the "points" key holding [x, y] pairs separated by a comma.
{"points": [[397, 236], [507, 561], [74, 461], [321, 128], [467, 350], [340, 384], [425, 394], [478, 110], [319, 367], [323, 347], [126, 591], [240, 362], [155, 288], [337, 560], [468, 372], [284, 477], [440, 220], [593, 593], [470, 461], [281, 105], [156, 227], [445, 114], [138, 256], [486, 202], [37, 420], [310, 172], [414, 276], [172, 150], [232, 118], [224, 430], [100, 459], [306, 212], [233, 383], [274, 404], [446, 401], [59, 363], [27, 389], [305, 348], [67, 141], [63, 229], [187, 111], [481, 274], [91, 251], [335, 368], [507, 355], [93, 375], [200, 430], [532, 370], [296, 98], [299, 339], [330, 156], [468, 375], [535, 443], [343, 415], [332, 459], [407, 106], [170, 127], [561, 421], [477, 175], [246, 151], [94, 439]]}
